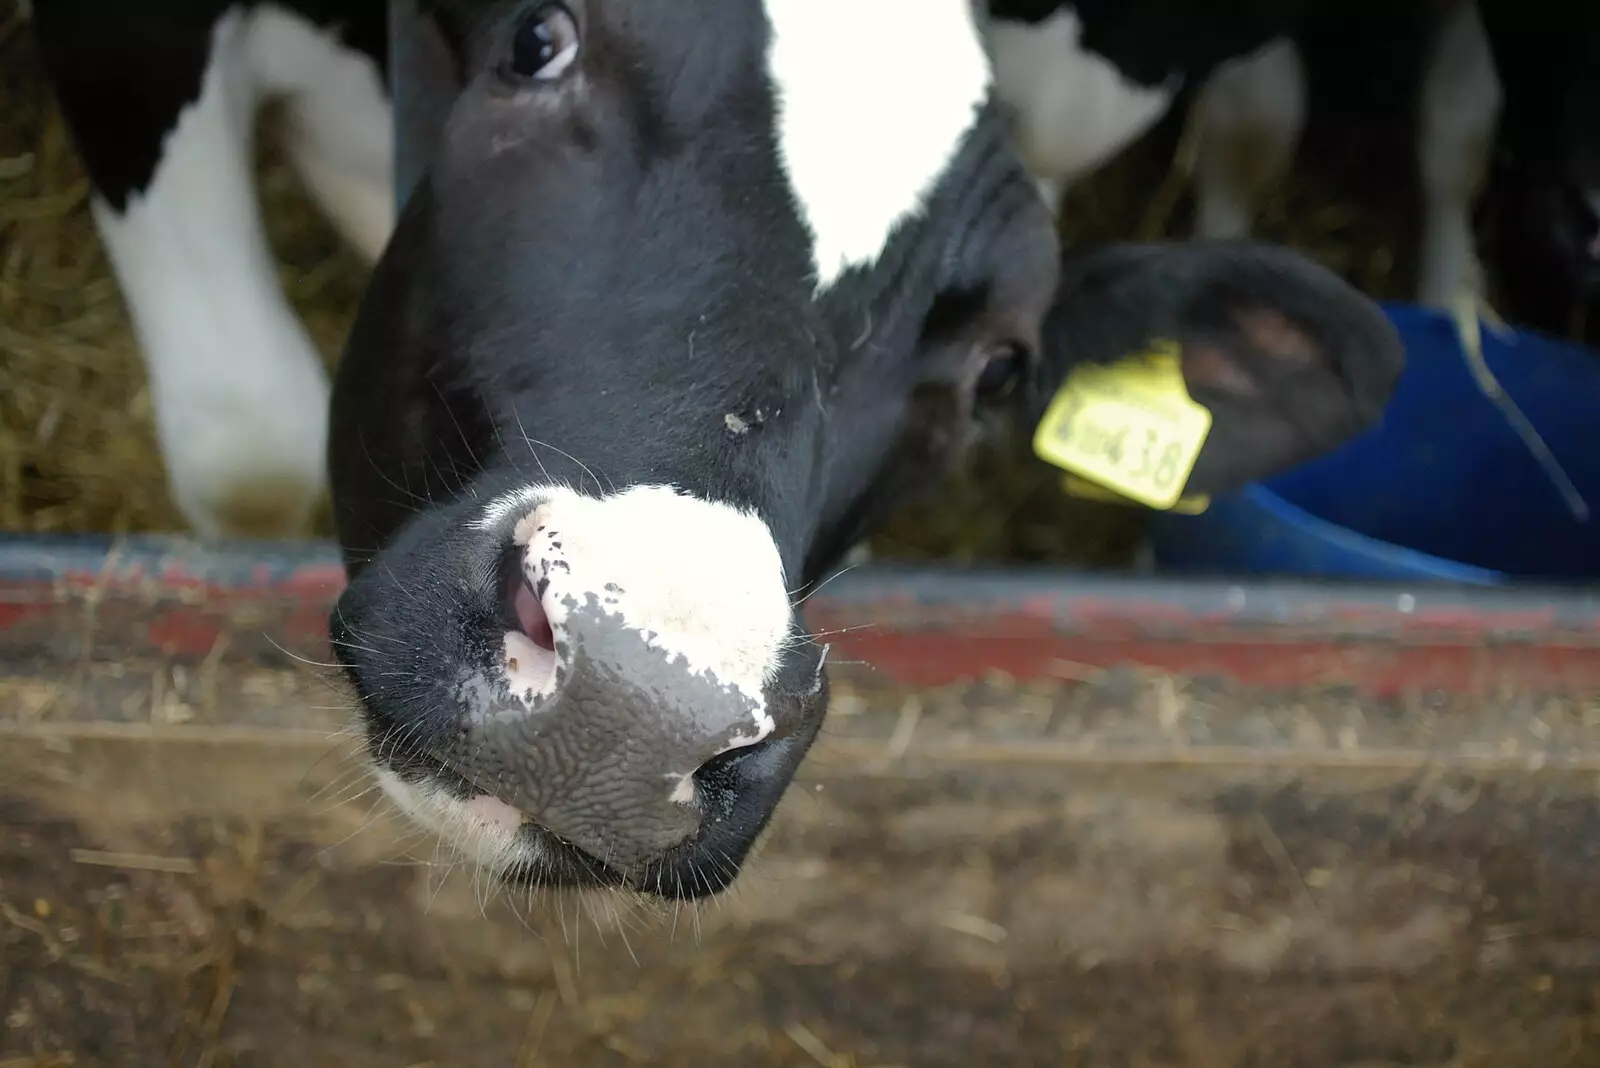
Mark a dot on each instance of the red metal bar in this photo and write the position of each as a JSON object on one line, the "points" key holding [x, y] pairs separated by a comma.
{"points": [[923, 627]]}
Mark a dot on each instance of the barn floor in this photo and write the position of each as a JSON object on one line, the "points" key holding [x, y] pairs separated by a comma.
{"points": [[1081, 872], [107, 967]]}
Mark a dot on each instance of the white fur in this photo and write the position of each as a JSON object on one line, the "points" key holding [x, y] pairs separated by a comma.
{"points": [[341, 133], [503, 507], [483, 829], [1252, 114], [874, 99], [238, 389], [529, 668], [1072, 109], [1460, 109], [697, 579]]}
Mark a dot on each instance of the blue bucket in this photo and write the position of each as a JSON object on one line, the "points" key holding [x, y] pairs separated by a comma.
{"points": [[1443, 489]]}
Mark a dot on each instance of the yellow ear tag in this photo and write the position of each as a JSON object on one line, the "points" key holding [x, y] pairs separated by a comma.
{"points": [[1130, 427]]}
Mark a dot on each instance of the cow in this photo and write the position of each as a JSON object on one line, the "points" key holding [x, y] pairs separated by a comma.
{"points": [[1253, 110], [686, 300], [161, 100], [673, 319], [1084, 78]]}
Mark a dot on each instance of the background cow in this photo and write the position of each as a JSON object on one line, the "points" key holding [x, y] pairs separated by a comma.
{"points": [[1496, 94], [162, 101]]}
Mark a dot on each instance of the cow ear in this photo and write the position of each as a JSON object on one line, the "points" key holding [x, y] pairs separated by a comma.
{"points": [[1290, 359]]}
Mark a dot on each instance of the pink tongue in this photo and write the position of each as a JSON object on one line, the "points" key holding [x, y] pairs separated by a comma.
{"points": [[530, 615]]}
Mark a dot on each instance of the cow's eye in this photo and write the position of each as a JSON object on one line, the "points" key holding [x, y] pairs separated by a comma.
{"points": [[1001, 372], [545, 44]]}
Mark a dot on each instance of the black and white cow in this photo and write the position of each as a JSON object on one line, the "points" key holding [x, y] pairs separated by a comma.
{"points": [[674, 317], [688, 298], [1083, 79], [161, 100], [1087, 77]]}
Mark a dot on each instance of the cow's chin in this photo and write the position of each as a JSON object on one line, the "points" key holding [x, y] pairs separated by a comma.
{"points": [[513, 850], [490, 834]]}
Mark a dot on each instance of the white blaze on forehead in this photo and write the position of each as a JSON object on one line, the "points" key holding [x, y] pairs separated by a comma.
{"points": [[696, 579], [874, 98]]}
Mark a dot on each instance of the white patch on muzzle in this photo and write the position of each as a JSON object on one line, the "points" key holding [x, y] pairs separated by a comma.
{"points": [[699, 580], [874, 100], [483, 829]]}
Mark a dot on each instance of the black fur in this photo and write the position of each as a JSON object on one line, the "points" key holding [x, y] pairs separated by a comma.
{"points": [[1539, 229], [587, 284]]}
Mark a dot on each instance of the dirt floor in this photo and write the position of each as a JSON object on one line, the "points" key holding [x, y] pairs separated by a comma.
{"points": [[935, 897], [109, 967]]}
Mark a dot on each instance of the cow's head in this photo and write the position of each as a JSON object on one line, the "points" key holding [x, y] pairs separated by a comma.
{"points": [[691, 296]]}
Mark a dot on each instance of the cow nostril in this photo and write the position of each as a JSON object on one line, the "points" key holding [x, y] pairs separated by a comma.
{"points": [[530, 657], [531, 617], [718, 781]]}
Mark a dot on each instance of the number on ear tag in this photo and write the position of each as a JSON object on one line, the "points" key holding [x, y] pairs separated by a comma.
{"points": [[1130, 427]]}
